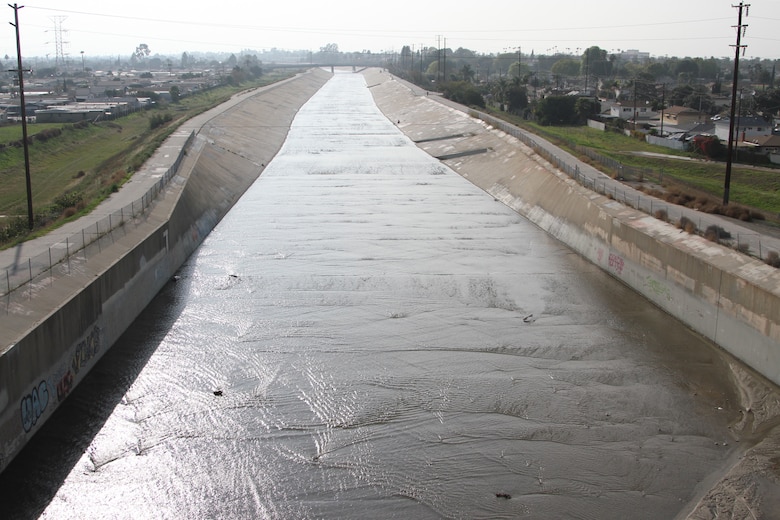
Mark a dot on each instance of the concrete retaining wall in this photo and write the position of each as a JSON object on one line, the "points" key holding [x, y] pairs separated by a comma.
{"points": [[98, 301], [719, 293]]}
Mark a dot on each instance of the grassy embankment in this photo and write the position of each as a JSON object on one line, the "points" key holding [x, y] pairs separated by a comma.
{"points": [[757, 188], [72, 172]]}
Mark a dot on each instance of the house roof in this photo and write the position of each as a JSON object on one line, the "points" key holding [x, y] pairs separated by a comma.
{"points": [[767, 140], [676, 110], [746, 121]]}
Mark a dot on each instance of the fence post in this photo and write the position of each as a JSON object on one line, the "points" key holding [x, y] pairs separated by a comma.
{"points": [[97, 236], [51, 269], [29, 267], [84, 243]]}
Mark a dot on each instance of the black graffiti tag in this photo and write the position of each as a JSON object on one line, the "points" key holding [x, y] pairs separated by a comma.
{"points": [[85, 351]]}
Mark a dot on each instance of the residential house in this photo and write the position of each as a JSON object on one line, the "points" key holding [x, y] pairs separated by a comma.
{"points": [[683, 116], [745, 128], [627, 109], [766, 144]]}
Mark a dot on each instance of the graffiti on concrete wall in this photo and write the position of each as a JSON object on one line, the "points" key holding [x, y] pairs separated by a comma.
{"points": [[33, 405], [61, 381], [84, 352], [616, 263], [659, 289]]}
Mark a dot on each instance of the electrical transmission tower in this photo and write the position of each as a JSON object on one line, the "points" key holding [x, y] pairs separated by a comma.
{"points": [[59, 44]]}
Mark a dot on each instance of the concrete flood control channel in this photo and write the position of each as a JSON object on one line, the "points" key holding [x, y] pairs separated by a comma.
{"points": [[512, 174]]}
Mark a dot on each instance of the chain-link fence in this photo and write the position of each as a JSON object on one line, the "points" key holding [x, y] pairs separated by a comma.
{"points": [[701, 223], [24, 271]]}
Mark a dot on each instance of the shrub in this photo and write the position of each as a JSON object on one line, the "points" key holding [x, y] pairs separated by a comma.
{"points": [[662, 214], [463, 92], [157, 120], [737, 212], [715, 233], [14, 228], [686, 225], [49, 133], [67, 200], [773, 259]]}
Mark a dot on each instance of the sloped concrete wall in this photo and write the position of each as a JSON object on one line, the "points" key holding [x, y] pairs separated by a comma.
{"points": [[727, 297], [99, 300]]}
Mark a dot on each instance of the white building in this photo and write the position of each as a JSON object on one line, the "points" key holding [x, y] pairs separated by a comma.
{"points": [[745, 128], [625, 110]]}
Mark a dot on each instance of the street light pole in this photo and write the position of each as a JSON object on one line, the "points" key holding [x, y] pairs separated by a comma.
{"points": [[30, 218]]}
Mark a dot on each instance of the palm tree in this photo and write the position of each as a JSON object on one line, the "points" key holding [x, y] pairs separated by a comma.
{"points": [[467, 73]]}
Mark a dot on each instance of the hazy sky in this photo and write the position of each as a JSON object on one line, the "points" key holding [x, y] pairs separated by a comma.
{"points": [[661, 27]]}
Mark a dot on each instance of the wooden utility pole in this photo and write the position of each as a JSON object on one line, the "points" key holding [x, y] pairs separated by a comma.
{"points": [[734, 88], [30, 218]]}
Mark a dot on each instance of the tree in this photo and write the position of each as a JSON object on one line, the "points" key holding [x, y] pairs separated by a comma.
{"points": [[464, 93], [688, 68], [175, 94], [517, 98], [768, 102], [407, 58], [237, 76], [596, 63], [708, 69], [678, 94], [566, 67], [695, 97], [584, 108], [643, 86], [499, 89], [142, 51], [556, 110], [467, 73], [699, 99]]}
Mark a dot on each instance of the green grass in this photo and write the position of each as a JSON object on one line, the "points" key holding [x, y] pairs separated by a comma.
{"points": [[89, 161], [758, 188]]}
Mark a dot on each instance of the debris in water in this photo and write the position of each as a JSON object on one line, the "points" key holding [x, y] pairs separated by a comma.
{"points": [[218, 393], [507, 496]]}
